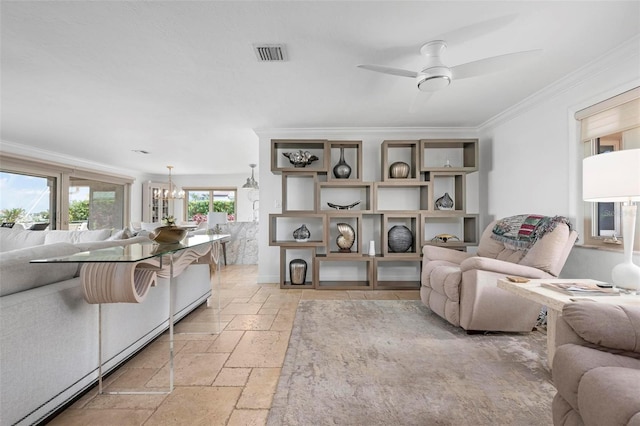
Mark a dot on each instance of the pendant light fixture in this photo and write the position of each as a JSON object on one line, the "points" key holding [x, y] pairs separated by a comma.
{"points": [[252, 183], [171, 192]]}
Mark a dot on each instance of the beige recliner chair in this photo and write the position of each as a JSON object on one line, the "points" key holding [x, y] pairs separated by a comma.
{"points": [[462, 288]]}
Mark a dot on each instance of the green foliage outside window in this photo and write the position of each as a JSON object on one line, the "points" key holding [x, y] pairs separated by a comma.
{"points": [[79, 211], [202, 207], [12, 215]]}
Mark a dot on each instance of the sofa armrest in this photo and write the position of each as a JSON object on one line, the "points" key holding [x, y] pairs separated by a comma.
{"points": [[501, 267], [610, 326], [441, 253]]}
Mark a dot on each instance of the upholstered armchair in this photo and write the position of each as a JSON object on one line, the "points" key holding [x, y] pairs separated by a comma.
{"points": [[462, 287]]}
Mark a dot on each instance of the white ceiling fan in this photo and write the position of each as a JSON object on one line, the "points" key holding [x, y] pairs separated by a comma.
{"points": [[435, 75]]}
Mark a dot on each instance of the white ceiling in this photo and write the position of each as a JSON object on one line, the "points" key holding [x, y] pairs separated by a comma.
{"points": [[98, 79]]}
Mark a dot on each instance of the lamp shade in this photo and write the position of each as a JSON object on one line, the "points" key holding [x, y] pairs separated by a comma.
{"points": [[612, 177], [216, 218]]}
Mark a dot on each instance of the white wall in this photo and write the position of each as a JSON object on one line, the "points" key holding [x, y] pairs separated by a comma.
{"points": [[270, 183], [531, 162]]}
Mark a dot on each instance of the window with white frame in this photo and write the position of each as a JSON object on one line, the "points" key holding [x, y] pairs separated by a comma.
{"points": [[200, 201], [611, 125]]}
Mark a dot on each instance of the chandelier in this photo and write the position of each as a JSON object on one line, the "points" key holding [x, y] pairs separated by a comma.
{"points": [[169, 193], [252, 183]]}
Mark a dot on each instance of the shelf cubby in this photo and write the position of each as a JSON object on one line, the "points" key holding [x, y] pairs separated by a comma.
{"points": [[402, 196], [344, 193], [453, 155], [412, 222], [333, 273], [352, 219], [405, 151], [287, 254], [280, 163], [299, 192], [397, 274], [281, 227], [452, 183], [464, 226], [352, 156]]}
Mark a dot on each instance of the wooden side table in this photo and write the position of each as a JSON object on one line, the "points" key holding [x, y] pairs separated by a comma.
{"points": [[554, 301]]}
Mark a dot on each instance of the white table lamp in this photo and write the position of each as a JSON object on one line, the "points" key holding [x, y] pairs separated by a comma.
{"points": [[215, 219], [615, 177]]}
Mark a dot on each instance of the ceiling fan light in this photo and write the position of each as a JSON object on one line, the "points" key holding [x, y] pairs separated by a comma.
{"points": [[434, 78], [432, 84]]}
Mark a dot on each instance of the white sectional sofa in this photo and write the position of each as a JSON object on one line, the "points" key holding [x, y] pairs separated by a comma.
{"points": [[49, 334]]}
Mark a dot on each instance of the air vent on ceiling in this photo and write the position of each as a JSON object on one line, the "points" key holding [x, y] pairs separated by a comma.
{"points": [[270, 52]]}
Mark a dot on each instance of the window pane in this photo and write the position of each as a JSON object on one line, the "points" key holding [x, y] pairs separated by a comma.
{"points": [[607, 219], [95, 205], [26, 199], [198, 205], [225, 201]]}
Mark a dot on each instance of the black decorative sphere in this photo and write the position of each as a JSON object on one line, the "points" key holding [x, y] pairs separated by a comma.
{"points": [[400, 239]]}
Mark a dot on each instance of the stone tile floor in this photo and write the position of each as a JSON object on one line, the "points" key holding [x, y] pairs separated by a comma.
{"points": [[220, 379]]}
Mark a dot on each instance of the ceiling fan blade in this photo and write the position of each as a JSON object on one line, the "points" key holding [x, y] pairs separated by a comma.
{"points": [[470, 32], [419, 101], [491, 65], [387, 70]]}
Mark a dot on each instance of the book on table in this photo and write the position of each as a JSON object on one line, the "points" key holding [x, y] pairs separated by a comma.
{"points": [[581, 289]]}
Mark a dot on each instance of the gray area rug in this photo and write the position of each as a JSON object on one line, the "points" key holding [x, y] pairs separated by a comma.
{"points": [[394, 362]]}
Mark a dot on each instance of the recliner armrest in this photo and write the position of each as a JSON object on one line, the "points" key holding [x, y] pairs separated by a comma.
{"points": [[502, 267], [441, 253]]}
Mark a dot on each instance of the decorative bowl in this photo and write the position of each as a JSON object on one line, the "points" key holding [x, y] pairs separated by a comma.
{"points": [[168, 234]]}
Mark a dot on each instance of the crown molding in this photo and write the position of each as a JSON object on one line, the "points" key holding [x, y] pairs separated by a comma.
{"points": [[16, 149], [361, 131], [625, 51]]}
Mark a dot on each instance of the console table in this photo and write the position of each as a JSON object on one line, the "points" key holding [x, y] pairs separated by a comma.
{"points": [[554, 301], [125, 274]]}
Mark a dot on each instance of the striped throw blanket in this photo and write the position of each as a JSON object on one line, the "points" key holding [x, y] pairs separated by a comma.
{"points": [[522, 231]]}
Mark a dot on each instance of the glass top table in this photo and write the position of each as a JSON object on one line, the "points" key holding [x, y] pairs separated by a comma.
{"points": [[114, 259], [134, 252]]}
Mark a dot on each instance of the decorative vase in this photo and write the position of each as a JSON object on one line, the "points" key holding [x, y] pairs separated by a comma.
{"points": [[444, 203], [372, 248], [297, 271], [400, 239], [399, 170], [302, 234], [346, 238], [342, 170]]}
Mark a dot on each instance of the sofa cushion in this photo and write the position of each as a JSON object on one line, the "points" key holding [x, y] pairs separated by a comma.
{"points": [[611, 326], [150, 226], [76, 236], [494, 249], [18, 238], [19, 275], [621, 385], [544, 253]]}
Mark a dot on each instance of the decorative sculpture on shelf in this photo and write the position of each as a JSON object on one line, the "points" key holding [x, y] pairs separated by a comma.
{"points": [[302, 234], [342, 170], [399, 170], [346, 238], [300, 158], [444, 203], [400, 239], [443, 238], [339, 207]]}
